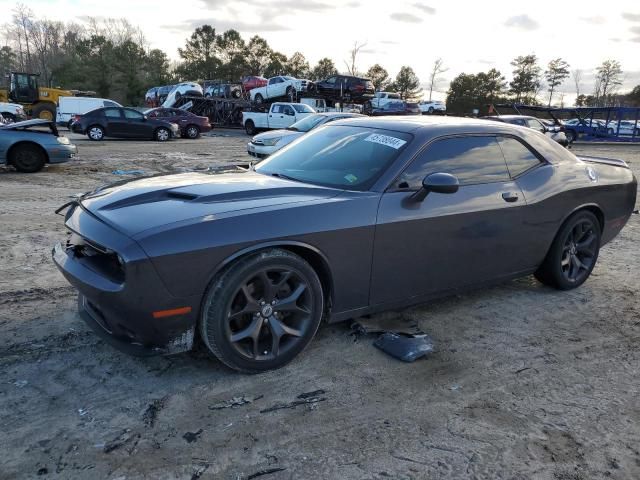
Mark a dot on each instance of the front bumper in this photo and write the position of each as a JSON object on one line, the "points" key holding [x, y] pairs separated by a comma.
{"points": [[121, 309], [61, 153], [261, 151]]}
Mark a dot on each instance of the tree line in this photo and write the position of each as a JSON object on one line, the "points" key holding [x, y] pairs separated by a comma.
{"points": [[113, 58], [477, 91]]}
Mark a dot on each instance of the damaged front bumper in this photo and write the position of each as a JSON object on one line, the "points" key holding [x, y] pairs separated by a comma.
{"points": [[121, 297]]}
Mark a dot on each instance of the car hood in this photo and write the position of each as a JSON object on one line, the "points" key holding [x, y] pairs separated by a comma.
{"points": [[277, 134], [27, 123], [153, 203]]}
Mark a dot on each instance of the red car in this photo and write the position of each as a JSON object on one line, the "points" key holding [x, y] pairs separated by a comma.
{"points": [[191, 125], [251, 82]]}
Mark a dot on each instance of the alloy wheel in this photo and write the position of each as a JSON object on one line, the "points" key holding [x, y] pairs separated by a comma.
{"points": [[162, 135], [269, 314], [579, 251]]}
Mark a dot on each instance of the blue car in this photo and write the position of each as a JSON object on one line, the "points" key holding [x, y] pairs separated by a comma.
{"points": [[31, 144]]}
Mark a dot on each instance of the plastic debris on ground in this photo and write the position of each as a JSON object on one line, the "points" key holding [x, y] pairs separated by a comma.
{"points": [[403, 347], [400, 336], [128, 172]]}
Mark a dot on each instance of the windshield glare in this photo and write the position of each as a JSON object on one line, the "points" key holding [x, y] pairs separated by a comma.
{"points": [[338, 156], [303, 108], [307, 123]]}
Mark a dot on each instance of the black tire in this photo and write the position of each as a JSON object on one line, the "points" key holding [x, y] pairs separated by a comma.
{"points": [[610, 131], [27, 158], [262, 311], [95, 133], [45, 111], [573, 253], [258, 99], [69, 123], [250, 127], [571, 135], [291, 94], [236, 93], [162, 134], [431, 110], [192, 132]]}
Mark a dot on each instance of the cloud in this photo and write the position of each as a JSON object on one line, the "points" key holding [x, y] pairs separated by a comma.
{"points": [[222, 25], [632, 17], [275, 5], [596, 20], [425, 8], [353, 4], [635, 30], [405, 17], [522, 22], [636, 40], [390, 42]]}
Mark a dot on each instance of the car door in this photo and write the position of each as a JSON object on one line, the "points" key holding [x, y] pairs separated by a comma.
{"points": [[115, 122], [328, 86], [537, 125], [137, 125], [448, 241], [282, 116]]}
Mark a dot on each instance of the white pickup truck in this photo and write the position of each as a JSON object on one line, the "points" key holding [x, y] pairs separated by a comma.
{"points": [[280, 86], [12, 112], [280, 115]]}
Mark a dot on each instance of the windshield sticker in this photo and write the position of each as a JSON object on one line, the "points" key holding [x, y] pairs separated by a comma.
{"points": [[386, 140], [351, 178]]}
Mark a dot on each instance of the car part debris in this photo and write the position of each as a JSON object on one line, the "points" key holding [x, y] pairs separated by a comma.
{"points": [[267, 471], [405, 348], [386, 323], [302, 399], [234, 402]]}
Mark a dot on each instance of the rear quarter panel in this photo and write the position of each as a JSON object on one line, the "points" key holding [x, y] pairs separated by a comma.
{"points": [[553, 192]]}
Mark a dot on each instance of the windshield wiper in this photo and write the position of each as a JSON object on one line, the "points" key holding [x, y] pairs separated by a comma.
{"points": [[283, 176], [293, 129]]}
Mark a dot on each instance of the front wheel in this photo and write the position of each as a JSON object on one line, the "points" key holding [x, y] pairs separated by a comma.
{"points": [[27, 158], [162, 134], [573, 253], [571, 136], [262, 312]]}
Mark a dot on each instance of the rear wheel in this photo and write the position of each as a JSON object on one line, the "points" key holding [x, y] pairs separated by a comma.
{"points": [[430, 109], [573, 253], [162, 134], [571, 136], [250, 127], [291, 94], [258, 99], [262, 312], [192, 132], [27, 158], [95, 133]]}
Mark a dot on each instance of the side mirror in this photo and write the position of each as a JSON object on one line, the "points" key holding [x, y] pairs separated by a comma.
{"points": [[437, 183]]}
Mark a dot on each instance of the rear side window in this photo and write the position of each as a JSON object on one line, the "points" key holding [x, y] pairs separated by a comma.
{"points": [[132, 114], [472, 159], [109, 103], [112, 112], [519, 158]]}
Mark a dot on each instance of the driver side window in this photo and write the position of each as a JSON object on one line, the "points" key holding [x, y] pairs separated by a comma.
{"points": [[473, 159]]}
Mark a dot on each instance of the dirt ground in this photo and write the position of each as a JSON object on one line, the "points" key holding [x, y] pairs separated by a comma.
{"points": [[525, 383]]}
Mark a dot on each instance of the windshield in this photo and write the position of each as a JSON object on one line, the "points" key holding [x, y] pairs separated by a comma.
{"points": [[338, 156], [303, 108], [307, 123]]}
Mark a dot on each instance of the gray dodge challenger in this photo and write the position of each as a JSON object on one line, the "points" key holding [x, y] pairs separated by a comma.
{"points": [[357, 217]]}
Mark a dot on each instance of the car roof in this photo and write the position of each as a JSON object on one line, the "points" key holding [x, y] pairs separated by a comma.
{"points": [[440, 125], [341, 114]]}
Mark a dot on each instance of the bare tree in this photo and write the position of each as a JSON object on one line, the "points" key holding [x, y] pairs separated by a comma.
{"points": [[438, 68], [609, 77], [577, 80], [352, 68]]}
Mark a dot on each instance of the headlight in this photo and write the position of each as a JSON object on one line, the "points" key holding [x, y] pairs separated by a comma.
{"points": [[63, 140], [270, 142]]}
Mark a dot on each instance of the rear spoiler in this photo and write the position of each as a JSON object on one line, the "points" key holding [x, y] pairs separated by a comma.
{"points": [[607, 161]]}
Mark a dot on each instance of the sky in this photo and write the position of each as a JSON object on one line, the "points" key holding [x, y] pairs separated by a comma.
{"points": [[470, 36]]}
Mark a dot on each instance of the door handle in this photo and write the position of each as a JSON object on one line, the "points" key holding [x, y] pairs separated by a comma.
{"points": [[510, 197]]}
